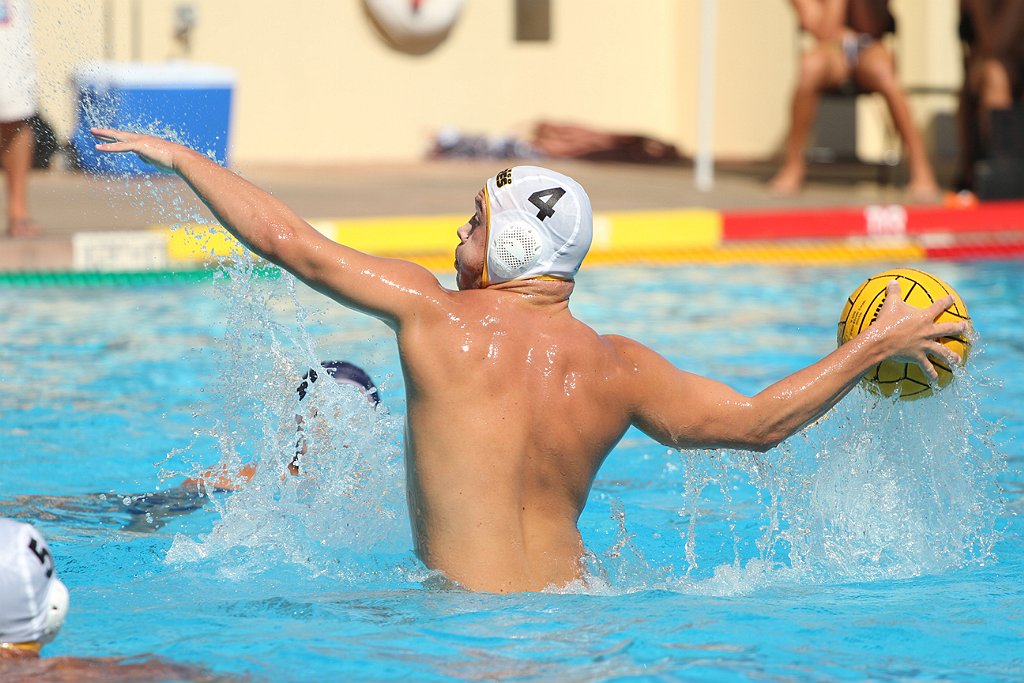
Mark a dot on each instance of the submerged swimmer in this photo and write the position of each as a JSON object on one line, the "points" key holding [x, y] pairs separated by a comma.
{"points": [[342, 372], [149, 512], [513, 404]]}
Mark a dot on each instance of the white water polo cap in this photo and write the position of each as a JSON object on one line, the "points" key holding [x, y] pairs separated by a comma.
{"points": [[539, 225], [33, 602]]}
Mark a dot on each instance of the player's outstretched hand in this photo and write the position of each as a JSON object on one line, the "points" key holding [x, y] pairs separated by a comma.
{"points": [[153, 150], [912, 333]]}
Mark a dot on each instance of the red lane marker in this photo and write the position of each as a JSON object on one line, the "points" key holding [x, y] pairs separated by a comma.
{"points": [[977, 252], [875, 220]]}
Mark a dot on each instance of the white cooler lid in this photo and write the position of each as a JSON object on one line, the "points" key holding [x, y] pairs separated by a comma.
{"points": [[176, 74]]}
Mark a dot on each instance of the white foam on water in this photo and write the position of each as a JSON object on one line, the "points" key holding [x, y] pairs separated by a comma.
{"points": [[899, 489], [880, 489], [347, 505]]}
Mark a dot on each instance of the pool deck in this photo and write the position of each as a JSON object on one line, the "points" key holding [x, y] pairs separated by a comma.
{"points": [[83, 216]]}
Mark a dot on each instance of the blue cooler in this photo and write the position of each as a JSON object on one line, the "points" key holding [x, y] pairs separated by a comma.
{"points": [[185, 102]]}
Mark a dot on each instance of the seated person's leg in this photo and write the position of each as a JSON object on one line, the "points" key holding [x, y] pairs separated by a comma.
{"points": [[993, 85], [876, 72], [822, 67], [989, 87]]}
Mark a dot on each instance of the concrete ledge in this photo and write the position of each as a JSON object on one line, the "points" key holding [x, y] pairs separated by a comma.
{"points": [[35, 254]]}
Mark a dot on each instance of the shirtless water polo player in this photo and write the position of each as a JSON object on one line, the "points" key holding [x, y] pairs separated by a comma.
{"points": [[513, 404]]}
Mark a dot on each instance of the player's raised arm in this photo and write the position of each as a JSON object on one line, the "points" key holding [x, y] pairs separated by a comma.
{"points": [[386, 288], [684, 410]]}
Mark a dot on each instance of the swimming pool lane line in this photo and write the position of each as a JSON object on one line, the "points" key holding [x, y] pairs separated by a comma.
{"points": [[126, 279]]}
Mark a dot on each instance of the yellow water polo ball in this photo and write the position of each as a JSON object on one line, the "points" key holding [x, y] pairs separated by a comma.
{"points": [[917, 288]]}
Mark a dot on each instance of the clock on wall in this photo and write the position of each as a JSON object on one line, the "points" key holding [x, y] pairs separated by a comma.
{"points": [[414, 26]]}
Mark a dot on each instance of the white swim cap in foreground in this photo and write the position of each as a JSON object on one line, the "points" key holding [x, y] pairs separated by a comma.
{"points": [[33, 603], [539, 224]]}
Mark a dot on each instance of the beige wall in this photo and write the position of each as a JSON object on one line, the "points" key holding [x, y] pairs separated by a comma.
{"points": [[317, 85]]}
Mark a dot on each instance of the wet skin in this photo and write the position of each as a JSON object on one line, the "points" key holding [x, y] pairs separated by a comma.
{"points": [[513, 404]]}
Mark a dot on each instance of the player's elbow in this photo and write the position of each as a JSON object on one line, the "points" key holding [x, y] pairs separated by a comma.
{"points": [[736, 435], [763, 435], [764, 442]]}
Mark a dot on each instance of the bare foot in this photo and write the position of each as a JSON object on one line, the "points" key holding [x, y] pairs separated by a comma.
{"points": [[23, 227], [787, 181], [924, 192]]}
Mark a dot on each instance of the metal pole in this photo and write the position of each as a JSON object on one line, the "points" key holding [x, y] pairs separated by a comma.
{"points": [[136, 31], [704, 176]]}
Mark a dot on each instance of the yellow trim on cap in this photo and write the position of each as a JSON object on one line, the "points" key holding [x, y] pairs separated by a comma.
{"points": [[485, 277], [32, 647]]}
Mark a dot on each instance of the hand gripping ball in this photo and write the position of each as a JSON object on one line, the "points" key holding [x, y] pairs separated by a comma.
{"points": [[918, 289]]}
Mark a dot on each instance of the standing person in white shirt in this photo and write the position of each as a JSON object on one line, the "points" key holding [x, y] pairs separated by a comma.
{"points": [[18, 104]]}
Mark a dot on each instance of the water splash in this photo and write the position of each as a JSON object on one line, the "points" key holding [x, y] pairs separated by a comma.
{"points": [[878, 490], [898, 489], [128, 180], [344, 514]]}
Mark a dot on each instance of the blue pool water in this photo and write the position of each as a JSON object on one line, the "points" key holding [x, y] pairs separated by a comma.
{"points": [[885, 543]]}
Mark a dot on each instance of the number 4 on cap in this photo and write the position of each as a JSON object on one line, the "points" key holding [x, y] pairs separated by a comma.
{"points": [[545, 200]]}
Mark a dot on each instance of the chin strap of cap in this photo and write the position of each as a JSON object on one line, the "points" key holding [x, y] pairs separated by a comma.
{"points": [[33, 647]]}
